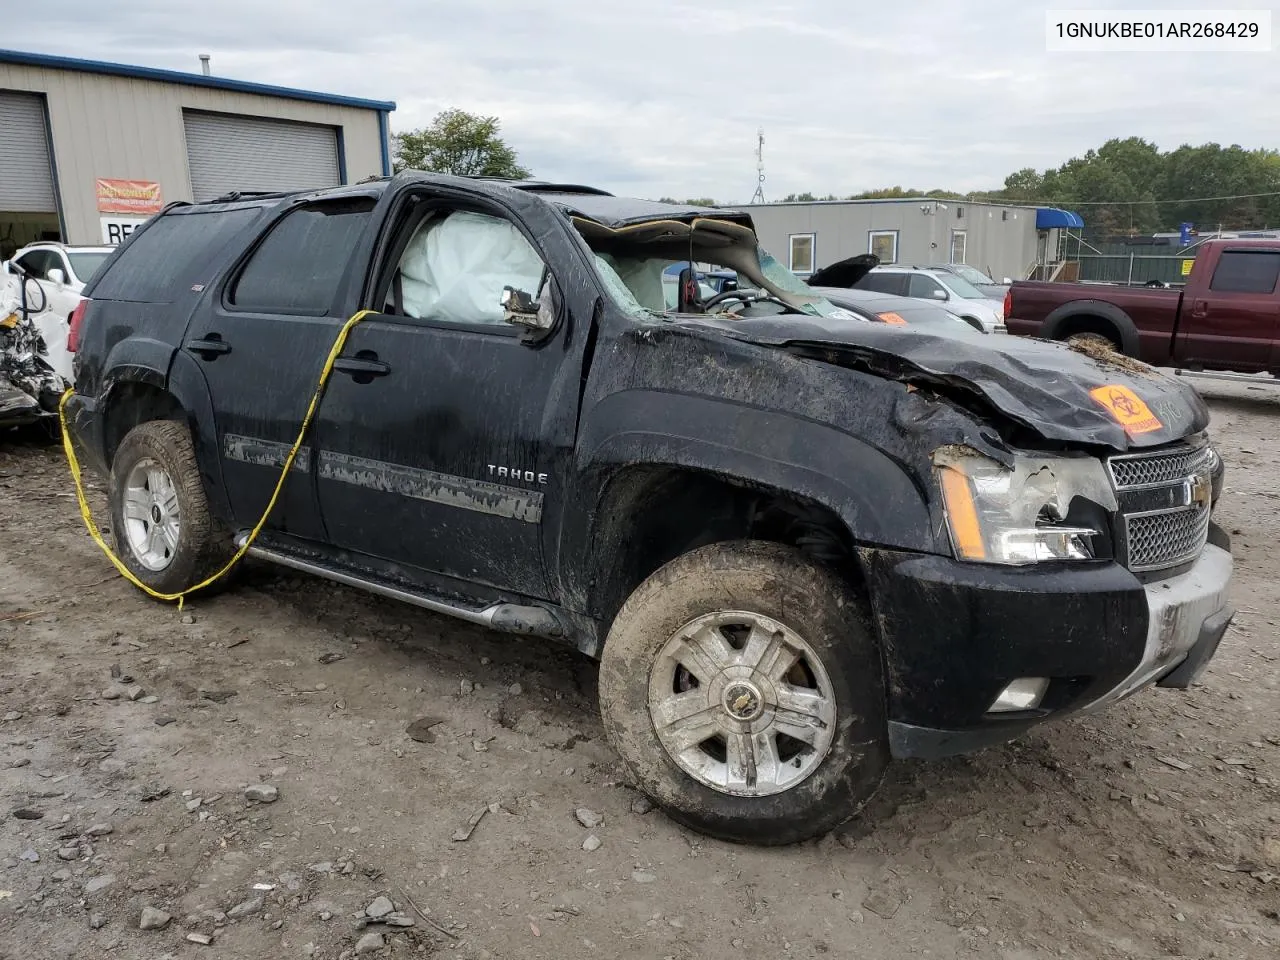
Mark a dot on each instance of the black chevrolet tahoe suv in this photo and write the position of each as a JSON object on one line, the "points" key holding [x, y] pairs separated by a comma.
{"points": [[800, 544]]}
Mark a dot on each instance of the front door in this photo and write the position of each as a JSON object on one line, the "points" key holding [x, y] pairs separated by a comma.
{"points": [[1234, 324], [436, 449], [262, 344]]}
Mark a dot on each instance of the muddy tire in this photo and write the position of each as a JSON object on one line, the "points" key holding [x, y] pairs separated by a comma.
{"points": [[743, 687], [161, 527]]}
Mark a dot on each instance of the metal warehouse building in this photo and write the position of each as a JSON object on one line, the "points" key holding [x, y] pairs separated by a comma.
{"points": [[88, 150], [1003, 241]]}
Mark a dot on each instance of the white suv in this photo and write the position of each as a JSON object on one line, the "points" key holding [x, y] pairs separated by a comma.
{"points": [[961, 297], [61, 272]]}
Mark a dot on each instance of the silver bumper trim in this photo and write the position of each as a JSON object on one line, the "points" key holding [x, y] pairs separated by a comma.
{"points": [[1177, 609]]}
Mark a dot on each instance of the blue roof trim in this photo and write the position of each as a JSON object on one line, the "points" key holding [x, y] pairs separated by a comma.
{"points": [[1048, 218], [188, 79]]}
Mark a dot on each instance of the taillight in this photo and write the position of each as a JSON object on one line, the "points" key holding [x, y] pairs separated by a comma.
{"points": [[1008, 302], [73, 331]]}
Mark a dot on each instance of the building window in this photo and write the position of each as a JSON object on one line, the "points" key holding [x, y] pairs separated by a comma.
{"points": [[801, 252], [959, 241], [959, 213], [884, 244]]}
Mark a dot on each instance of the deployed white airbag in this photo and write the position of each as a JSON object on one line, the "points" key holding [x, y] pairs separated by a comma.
{"points": [[454, 268]]}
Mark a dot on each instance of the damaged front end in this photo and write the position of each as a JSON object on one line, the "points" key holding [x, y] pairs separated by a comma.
{"points": [[29, 386]]}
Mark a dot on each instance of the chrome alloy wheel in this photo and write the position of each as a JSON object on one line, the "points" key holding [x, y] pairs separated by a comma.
{"points": [[742, 703], [152, 520]]}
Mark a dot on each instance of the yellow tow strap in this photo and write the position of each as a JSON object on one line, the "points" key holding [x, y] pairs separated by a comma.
{"points": [[74, 463]]}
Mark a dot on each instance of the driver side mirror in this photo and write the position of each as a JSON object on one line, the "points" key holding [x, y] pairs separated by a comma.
{"points": [[57, 276], [1006, 281], [520, 308], [937, 293]]}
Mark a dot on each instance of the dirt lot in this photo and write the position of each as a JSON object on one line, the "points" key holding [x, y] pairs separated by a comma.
{"points": [[1149, 831]]}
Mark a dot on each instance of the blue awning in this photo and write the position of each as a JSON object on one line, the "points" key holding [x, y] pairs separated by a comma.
{"points": [[1048, 218]]}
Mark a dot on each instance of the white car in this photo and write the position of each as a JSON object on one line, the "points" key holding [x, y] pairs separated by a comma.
{"points": [[60, 272], [961, 297]]}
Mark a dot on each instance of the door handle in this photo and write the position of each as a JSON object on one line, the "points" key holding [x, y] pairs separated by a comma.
{"points": [[210, 347], [1200, 310], [363, 367]]}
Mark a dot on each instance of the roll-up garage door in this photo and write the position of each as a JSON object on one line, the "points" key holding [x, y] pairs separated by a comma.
{"points": [[26, 175], [228, 152]]}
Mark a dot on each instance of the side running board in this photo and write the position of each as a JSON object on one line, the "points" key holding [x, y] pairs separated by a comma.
{"points": [[506, 617]]}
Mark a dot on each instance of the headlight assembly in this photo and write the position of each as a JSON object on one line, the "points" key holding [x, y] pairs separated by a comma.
{"points": [[1043, 508]]}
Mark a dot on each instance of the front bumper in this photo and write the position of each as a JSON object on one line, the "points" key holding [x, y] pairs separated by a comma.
{"points": [[955, 634]]}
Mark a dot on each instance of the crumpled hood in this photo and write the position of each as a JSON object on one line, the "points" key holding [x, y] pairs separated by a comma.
{"points": [[1060, 393]]}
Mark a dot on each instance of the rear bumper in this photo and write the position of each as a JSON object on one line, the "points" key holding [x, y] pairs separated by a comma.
{"points": [[954, 635], [86, 430]]}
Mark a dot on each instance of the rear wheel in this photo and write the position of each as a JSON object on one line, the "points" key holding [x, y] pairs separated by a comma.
{"points": [[160, 521], [743, 688]]}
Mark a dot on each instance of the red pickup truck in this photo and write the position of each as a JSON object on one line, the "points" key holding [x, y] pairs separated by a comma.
{"points": [[1227, 317]]}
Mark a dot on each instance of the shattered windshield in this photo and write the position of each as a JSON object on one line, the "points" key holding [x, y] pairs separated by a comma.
{"points": [[664, 267]]}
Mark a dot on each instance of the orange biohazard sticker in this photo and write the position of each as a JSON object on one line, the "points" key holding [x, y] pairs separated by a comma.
{"points": [[892, 318], [1128, 409]]}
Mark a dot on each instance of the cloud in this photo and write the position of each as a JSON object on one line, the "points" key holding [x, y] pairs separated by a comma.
{"points": [[666, 98]]}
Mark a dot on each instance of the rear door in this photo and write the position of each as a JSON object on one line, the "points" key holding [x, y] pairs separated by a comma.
{"points": [[262, 343], [1234, 324]]}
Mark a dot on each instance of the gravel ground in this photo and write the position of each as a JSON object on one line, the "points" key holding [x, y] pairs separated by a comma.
{"points": [[240, 773]]}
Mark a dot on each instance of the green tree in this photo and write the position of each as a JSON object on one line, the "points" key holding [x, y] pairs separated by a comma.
{"points": [[460, 143]]}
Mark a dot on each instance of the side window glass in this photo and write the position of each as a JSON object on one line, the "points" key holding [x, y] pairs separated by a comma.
{"points": [[925, 287], [457, 264], [1240, 271], [299, 265], [36, 263], [879, 282]]}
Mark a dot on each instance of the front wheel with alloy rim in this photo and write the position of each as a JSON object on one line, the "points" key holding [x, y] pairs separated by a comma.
{"points": [[743, 688], [160, 522]]}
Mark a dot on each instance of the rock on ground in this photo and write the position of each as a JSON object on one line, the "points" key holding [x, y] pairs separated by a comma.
{"points": [[153, 919]]}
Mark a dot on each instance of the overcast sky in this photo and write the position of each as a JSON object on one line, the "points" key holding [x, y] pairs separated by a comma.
{"points": [[665, 97]]}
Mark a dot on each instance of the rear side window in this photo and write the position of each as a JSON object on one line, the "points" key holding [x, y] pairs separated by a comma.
{"points": [[1246, 271], [883, 283], [169, 255], [298, 267]]}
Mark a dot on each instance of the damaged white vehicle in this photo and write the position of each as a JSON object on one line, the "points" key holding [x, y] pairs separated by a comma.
{"points": [[30, 383]]}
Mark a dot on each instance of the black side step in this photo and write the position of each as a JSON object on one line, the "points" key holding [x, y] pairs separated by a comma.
{"points": [[506, 617]]}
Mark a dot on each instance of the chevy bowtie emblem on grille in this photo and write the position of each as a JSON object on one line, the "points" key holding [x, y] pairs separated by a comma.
{"points": [[1200, 490]]}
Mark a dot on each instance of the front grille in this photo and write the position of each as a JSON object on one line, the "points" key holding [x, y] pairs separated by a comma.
{"points": [[1164, 505], [1143, 469], [1161, 540]]}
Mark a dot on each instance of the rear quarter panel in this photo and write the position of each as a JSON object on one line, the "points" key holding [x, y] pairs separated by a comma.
{"points": [[1154, 312]]}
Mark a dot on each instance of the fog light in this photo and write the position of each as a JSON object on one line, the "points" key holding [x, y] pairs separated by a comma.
{"points": [[1025, 693]]}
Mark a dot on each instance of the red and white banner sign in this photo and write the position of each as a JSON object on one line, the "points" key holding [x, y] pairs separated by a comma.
{"points": [[139, 198]]}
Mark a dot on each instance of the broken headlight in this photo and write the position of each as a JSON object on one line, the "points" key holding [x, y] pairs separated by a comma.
{"points": [[1042, 508]]}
